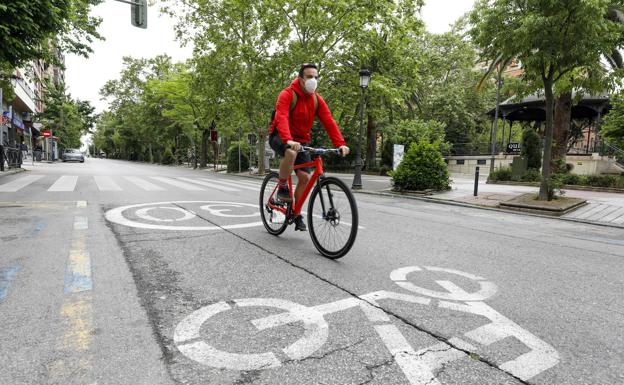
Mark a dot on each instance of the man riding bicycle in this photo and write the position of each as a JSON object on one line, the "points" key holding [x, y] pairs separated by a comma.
{"points": [[296, 107]]}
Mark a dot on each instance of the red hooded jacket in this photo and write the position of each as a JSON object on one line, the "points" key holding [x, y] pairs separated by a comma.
{"points": [[296, 125]]}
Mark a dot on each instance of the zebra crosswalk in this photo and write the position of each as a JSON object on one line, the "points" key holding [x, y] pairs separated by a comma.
{"points": [[103, 183]]}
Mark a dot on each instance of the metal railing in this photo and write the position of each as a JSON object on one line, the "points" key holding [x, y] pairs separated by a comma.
{"points": [[11, 156]]}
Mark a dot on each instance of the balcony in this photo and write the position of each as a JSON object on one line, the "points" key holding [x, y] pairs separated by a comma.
{"points": [[25, 95]]}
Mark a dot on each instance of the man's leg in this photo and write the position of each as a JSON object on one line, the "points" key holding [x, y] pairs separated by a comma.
{"points": [[303, 178], [286, 165]]}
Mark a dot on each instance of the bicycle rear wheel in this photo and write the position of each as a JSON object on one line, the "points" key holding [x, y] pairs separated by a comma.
{"points": [[273, 213], [332, 218]]}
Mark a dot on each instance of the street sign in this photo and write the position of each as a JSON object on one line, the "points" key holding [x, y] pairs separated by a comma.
{"points": [[47, 134], [513, 147], [397, 158]]}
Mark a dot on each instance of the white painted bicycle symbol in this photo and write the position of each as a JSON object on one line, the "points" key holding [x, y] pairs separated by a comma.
{"points": [[418, 366], [170, 216]]}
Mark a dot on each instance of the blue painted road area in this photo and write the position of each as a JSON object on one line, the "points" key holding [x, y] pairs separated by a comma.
{"points": [[7, 275]]}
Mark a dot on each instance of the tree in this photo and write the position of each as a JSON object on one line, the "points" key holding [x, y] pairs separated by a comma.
{"points": [[33, 29], [612, 129], [63, 116], [551, 39]]}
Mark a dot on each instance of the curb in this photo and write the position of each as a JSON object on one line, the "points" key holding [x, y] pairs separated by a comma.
{"points": [[11, 172], [468, 205], [564, 187]]}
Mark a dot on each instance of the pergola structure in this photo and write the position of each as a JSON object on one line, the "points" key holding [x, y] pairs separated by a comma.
{"points": [[533, 109]]}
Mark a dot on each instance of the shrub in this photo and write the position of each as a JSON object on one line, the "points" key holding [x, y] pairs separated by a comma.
{"points": [[232, 164], [531, 175], [502, 174], [415, 130], [531, 148], [602, 180], [572, 179], [167, 157], [422, 168]]}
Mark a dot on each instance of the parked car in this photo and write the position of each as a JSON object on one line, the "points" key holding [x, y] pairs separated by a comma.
{"points": [[73, 154]]}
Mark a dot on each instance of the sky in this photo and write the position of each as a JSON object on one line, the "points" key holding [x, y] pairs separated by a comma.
{"points": [[85, 77]]}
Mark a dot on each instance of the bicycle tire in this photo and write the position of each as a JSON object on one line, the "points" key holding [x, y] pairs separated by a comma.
{"points": [[274, 228], [321, 228]]}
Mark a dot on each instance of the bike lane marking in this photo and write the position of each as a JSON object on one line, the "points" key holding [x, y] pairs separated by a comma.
{"points": [[116, 215], [419, 366], [188, 340]]}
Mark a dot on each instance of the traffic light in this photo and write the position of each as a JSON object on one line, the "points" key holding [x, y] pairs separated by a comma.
{"points": [[139, 13]]}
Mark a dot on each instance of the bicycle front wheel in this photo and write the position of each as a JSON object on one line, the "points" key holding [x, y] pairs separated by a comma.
{"points": [[273, 212], [332, 218]]}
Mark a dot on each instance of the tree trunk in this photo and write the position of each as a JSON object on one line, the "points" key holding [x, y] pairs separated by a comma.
{"points": [[371, 144], [204, 149], [563, 116], [548, 136]]}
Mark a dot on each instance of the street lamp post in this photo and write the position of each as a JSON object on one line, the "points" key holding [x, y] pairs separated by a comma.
{"points": [[357, 178]]}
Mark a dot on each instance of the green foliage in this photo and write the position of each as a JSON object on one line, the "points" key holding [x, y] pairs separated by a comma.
{"points": [[67, 118], [602, 180], [531, 175], [33, 29], [531, 148], [232, 164], [246, 52], [407, 132], [552, 39], [502, 174], [612, 129], [167, 157], [572, 179], [422, 168]]}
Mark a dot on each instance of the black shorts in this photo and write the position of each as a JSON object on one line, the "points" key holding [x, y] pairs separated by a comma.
{"points": [[280, 148]]}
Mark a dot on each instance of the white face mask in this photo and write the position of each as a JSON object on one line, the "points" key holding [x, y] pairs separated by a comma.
{"points": [[310, 85]]}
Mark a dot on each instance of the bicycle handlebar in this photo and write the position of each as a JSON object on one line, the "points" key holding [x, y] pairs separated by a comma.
{"points": [[319, 151]]}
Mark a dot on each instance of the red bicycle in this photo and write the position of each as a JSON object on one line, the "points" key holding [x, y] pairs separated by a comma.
{"points": [[332, 211]]}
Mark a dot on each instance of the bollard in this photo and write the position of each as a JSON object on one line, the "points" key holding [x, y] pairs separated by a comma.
{"points": [[476, 186]]}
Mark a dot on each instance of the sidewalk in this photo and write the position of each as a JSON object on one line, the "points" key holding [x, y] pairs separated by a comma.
{"points": [[602, 208]]}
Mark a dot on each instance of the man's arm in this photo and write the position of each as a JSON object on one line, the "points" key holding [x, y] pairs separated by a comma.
{"points": [[326, 118], [282, 112]]}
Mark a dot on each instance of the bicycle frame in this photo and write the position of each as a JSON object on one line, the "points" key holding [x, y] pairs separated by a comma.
{"points": [[317, 164]]}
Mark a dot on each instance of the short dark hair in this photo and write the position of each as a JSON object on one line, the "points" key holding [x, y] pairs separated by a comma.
{"points": [[306, 65]]}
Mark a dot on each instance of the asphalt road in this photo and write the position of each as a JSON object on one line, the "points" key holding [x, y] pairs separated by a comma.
{"points": [[122, 273]]}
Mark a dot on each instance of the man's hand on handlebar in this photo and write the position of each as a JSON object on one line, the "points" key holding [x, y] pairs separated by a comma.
{"points": [[344, 150], [296, 146]]}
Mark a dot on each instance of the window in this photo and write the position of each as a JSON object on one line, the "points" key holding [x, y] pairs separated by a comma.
{"points": [[460, 161], [481, 161]]}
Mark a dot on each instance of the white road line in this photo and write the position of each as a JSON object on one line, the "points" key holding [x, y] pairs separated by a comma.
{"points": [[238, 185], [249, 183], [208, 184], [145, 185], [176, 183], [106, 183], [20, 183], [416, 371], [65, 183]]}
